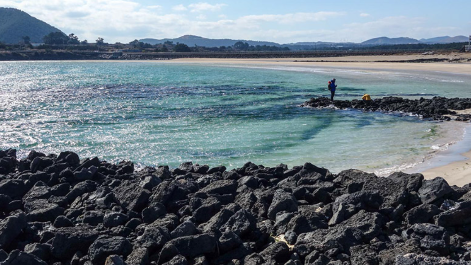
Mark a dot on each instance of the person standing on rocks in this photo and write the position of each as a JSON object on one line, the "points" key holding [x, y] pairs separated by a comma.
{"points": [[332, 87]]}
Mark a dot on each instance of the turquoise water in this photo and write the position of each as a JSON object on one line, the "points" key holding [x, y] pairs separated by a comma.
{"points": [[160, 113]]}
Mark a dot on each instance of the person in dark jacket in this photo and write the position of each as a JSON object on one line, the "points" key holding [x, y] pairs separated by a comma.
{"points": [[332, 87]]}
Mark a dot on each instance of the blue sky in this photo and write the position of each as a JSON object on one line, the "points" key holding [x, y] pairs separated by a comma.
{"points": [[285, 21]]}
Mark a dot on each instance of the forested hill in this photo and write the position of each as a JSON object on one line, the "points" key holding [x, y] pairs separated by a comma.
{"points": [[16, 24]]}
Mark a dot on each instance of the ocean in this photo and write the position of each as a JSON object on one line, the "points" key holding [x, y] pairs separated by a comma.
{"points": [[164, 113]]}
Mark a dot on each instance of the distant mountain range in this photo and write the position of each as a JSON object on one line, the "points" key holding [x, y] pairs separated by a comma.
{"points": [[390, 41], [394, 41], [191, 41], [15, 24]]}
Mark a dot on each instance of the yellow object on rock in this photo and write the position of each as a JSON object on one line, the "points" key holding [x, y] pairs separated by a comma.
{"points": [[366, 97]]}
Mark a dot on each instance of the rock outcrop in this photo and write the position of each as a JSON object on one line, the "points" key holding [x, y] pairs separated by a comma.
{"points": [[58, 209], [436, 108]]}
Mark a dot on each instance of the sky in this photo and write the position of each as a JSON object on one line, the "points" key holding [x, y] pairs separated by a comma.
{"points": [[281, 21]]}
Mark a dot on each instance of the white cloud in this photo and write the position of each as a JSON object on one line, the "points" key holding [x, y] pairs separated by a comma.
{"points": [[291, 18], [126, 20], [179, 8], [114, 20], [201, 17], [364, 15], [200, 7], [155, 7]]}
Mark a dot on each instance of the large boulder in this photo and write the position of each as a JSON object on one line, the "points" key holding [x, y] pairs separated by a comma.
{"points": [[430, 236], [186, 228], [277, 252], [42, 210], [220, 218], [153, 237], [68, 240], [13, 188], [423, 213], [349, 204], [282, 201], [132, 196], [139, 256], [42, 251], [189, 246], [220, 187], [209, 207], [413, 258], [241, 223], [71, 158], [10, 228], [105, 246], [113, 219], [17, 257], [456, 216], [353, 180], [434, 189], [81, 188]]}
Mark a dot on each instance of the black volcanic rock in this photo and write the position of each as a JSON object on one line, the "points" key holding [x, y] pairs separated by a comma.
{"points": [[68, 240], [436, 108], [17, 257], [105, 246], [10, 228], [97, 213], [282, 201]]}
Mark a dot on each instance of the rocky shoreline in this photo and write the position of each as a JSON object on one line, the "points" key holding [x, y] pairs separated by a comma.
{"points": [[436, 108], [60, 209]]}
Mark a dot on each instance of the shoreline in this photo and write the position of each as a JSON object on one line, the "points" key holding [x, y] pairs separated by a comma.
{"points": [[374, 62], [453, 166], [368, 63]]}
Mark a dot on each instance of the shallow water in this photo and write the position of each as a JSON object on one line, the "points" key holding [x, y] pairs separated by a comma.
{"points": [[157, 113]]}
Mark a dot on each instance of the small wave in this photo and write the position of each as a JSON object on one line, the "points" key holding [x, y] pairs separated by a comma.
{"points": [[384, 172]]}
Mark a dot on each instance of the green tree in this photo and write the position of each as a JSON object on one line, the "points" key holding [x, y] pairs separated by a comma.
{"points": [[241, 46], [73, 39], [100, 41], [134, 43], [180, 47], [55, 38], [26, 40]]}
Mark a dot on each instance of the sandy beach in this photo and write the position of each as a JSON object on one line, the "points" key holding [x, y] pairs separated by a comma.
{"points": [[457, 172], [459, 63]]}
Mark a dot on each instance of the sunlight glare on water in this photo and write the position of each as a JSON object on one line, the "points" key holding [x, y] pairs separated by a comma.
{"points": [[164, 114]]}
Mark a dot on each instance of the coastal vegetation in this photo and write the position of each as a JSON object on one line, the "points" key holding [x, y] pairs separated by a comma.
{"points": [[58, 46]]}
